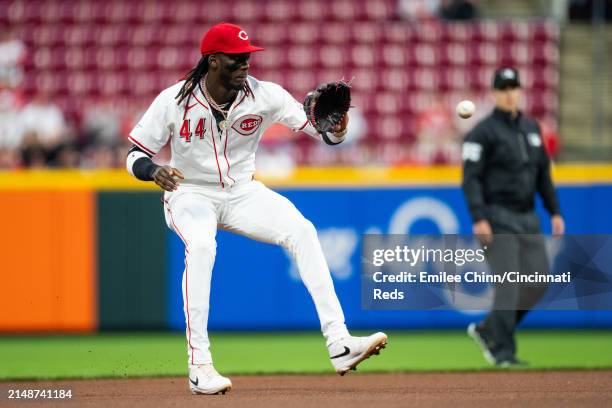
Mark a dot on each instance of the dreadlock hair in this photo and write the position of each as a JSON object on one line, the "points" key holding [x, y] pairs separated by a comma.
{"points": [[192, 79]]}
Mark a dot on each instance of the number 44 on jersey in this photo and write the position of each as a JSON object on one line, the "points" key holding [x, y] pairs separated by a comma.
{"points": [[186, 129]]}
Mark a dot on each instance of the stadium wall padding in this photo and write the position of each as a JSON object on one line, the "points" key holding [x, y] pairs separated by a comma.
{"points": [[131, 261], [48, 254], [84, 251]]}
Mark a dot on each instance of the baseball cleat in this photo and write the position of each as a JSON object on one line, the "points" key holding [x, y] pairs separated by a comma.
{"points": [[204, 379], [511, 362], [347, 353], [478, 336]]}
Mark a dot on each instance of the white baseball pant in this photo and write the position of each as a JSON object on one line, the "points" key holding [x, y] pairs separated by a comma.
{"points": [[255, 211]]}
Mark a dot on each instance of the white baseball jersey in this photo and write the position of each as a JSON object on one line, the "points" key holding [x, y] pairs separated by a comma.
{"points": [[199, 150]]}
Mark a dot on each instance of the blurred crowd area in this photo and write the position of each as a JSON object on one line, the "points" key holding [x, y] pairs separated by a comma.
{"points": [[76, 76]]}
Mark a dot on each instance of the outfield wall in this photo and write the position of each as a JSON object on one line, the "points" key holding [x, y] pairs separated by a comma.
{"points": [[84, 251]]}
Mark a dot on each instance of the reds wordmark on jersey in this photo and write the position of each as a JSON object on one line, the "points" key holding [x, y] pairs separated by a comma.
{"points": [[203, 153]]}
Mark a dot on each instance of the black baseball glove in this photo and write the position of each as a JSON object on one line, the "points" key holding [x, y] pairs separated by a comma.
{"points": [[326, 106]]}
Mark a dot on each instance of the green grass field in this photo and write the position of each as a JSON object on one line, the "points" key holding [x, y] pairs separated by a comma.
{"points": [[163, 354]]}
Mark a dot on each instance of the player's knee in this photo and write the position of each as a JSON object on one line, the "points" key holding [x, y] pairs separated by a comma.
{"points": [[303, 230], [202, 244]]}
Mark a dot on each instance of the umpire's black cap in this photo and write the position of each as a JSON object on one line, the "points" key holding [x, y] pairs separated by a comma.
{"points": [[506, 77]]}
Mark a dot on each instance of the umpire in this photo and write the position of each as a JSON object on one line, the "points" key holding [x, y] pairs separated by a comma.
{"points": [[504, 165]]}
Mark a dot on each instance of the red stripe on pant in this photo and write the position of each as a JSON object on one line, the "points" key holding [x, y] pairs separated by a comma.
{"points": [[186, 282]]}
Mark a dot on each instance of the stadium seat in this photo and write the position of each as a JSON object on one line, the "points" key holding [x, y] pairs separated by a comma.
{"points": [[305, 33], [400, 33], [365, 33]]}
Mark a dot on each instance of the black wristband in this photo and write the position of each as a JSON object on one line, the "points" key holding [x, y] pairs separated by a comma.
{"points": [[143, 169], [327, 140]]}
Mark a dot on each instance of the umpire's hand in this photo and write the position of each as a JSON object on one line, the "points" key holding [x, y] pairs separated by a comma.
{"points": [[558, 225], [482, 230], [167, 177]]}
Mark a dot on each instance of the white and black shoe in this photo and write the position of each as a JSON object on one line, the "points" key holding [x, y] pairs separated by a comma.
{"points": [[204, 379], [479, 337], [347, 353], [510, 362]]}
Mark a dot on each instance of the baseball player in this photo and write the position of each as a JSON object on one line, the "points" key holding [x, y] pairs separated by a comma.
{"points": [[214, 120]]}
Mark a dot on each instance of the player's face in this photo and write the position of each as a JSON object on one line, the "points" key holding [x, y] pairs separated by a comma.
{"points": [[507, 99], [234, 69]]}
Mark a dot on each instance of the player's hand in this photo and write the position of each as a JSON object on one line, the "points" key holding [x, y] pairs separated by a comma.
{"points": [[341, 126], [558, 225], [167, 177], [482, 230]]}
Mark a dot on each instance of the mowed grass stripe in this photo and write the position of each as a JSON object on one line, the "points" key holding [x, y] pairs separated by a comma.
{"points": [[163, 354]]}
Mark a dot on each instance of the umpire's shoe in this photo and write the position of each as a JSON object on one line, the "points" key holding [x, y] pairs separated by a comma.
{"points": [[510, 362], [480, 338], [204, 379], [347, 353]]}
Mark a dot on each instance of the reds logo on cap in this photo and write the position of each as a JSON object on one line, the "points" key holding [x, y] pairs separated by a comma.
{"points": [[247, 125], [228, 39]]}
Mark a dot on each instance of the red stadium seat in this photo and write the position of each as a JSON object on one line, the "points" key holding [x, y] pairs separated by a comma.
{"points": [[544, 54], [305, 33], [366, 80], [80, 83], [363, 100], [186, 13], [486, 31], [335, 74], [301, 57], [429, 32], [343, 10], [387, 127], [394, 55], [245, 11], [78, 35], [366, 33], [332, 56], [4, 18], [279, 11], [456, 32], [363, 56], [46, 35], [273, 75], [311, 10], [454, 54], [450, 79], [270, 34], [425, 55], [378, 10], [301, 81], [396, 80], [335, 33], [426, 79], [400, 33], [486, 54], [544, 32], [272, 57]]}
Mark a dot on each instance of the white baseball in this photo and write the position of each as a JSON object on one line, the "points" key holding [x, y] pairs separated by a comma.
{"points": [[466, 108]]}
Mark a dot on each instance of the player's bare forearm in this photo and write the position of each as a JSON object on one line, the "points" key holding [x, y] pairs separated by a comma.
{"points": [[167, 177]]}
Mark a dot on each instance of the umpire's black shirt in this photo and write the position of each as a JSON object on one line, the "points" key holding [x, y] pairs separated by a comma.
{"points": [[504, 164]]}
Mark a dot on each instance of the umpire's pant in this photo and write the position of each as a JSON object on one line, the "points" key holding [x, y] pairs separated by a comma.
{"points": [[521, 249]]}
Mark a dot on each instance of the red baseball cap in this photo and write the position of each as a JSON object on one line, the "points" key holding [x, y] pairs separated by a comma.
{"points": [[228, 39]]}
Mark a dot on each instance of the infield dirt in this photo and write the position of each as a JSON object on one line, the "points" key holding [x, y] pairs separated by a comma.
{"points": [[468, 389]]}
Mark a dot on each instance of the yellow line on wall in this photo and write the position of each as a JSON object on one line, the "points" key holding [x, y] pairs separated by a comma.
{"points": [[572, 174]]}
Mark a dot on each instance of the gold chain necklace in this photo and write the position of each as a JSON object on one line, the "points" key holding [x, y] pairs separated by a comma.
{"points": [[211, 102]]}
